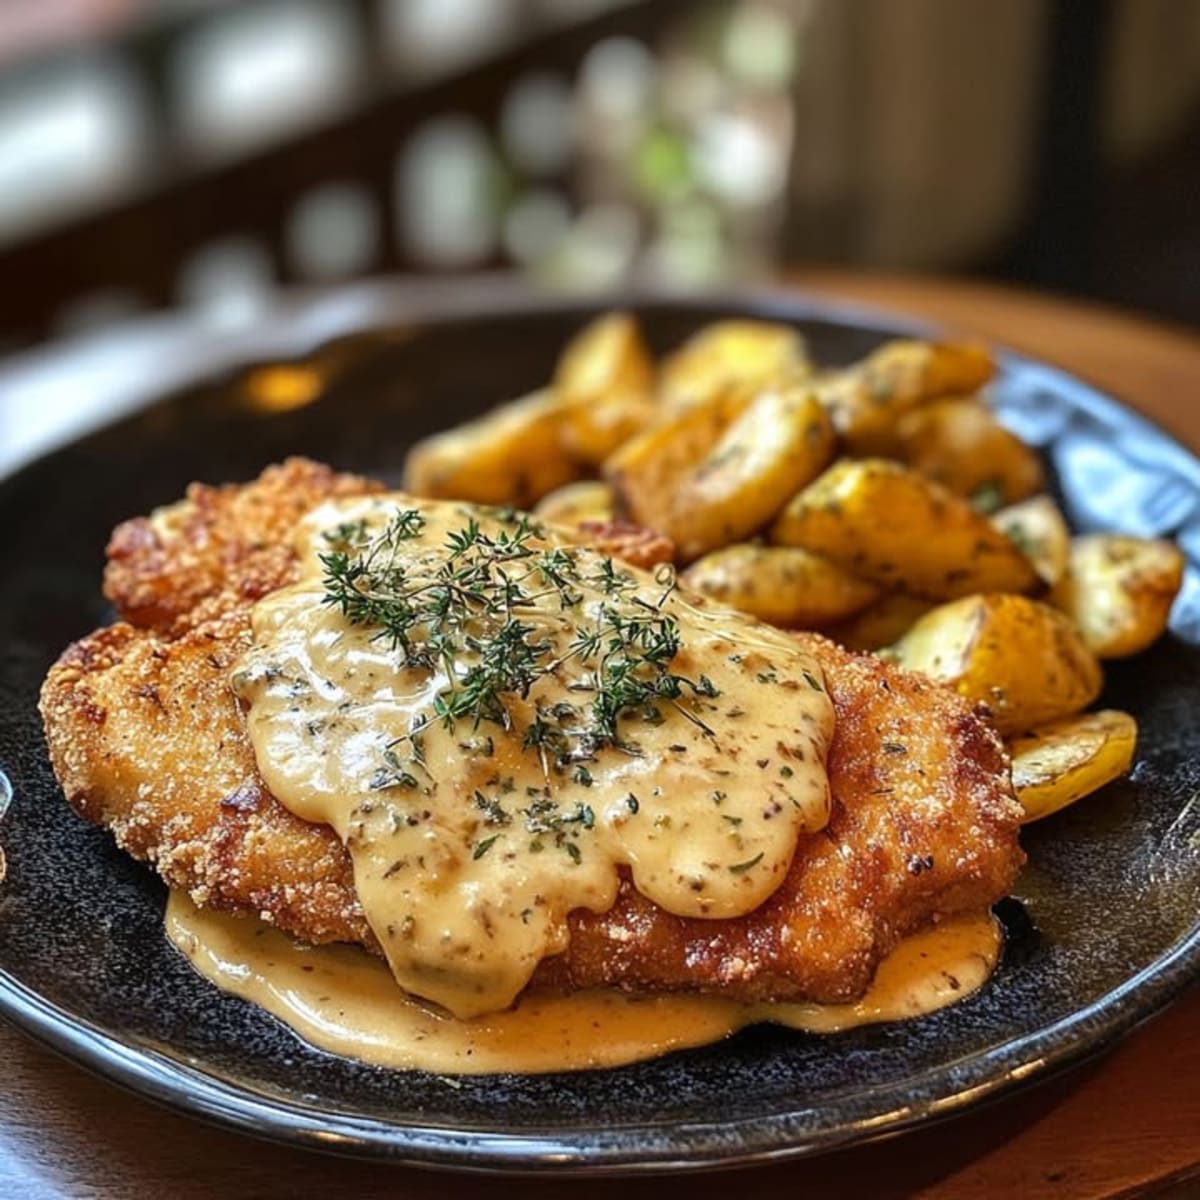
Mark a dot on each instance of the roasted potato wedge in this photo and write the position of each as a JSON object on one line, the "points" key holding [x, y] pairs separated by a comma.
{"points": [[512, 455], [591, 432], [1057, 764], [867, 399], [703, 493], [646, 470], [778, 444], [585, 500], [882, 623], [1021, 658], [784, 585], [605, 380], [607, 357], [960, 443], [1119, 591], [893, 526], [1040, 532], [731, 354]]}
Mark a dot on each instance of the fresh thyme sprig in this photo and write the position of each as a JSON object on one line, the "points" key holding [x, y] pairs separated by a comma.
{"points": [[475, 614]]}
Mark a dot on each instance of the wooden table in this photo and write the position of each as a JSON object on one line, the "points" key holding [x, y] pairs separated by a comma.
{"points": [[1127, 1124]]}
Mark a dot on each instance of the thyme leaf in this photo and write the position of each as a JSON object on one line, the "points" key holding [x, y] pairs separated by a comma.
{"points": [[739, 868], [478, 615]]}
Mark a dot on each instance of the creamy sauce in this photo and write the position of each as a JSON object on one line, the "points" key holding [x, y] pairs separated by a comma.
{"points": [[343, 1000], [472, 840]]}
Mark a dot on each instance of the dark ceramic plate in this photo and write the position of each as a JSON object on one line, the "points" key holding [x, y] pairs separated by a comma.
{"points": [[1108, 926]]}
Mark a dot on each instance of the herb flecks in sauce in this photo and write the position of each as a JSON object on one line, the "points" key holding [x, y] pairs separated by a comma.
{"points": [[494, 723]]}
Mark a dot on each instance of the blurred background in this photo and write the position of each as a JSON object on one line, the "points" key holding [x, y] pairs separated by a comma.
{"points": [[198, 155]]}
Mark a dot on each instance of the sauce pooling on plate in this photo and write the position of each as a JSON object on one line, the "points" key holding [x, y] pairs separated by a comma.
{"points": [[343, 1000], [494, 721]]}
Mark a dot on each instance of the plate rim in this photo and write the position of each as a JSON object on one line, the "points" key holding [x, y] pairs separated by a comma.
{"points": [[172, 1084], [306, 327]]}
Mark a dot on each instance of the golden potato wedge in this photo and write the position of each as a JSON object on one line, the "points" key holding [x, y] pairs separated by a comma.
{"points": [[784, 585], [1057, 764], [646, 470], [1040, 532], [607, 357], [730, 354], [868, 398], [776, 444], [960, 443], [893, 526], [591, 432], [605, 380], [585, 500], [1021, 658], [512, 455], [1119, 591], [882, 623]]}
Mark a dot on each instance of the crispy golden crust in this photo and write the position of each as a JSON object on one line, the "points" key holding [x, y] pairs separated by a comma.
{"points": [[637, 545], [147, 739], [924, 824], [236, 536]]}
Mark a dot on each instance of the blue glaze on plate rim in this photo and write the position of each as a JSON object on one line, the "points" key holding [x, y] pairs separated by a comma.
{"points": [[600, 1144]]}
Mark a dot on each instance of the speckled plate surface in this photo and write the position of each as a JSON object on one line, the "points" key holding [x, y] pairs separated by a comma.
{"points": [[1112, 888]]}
